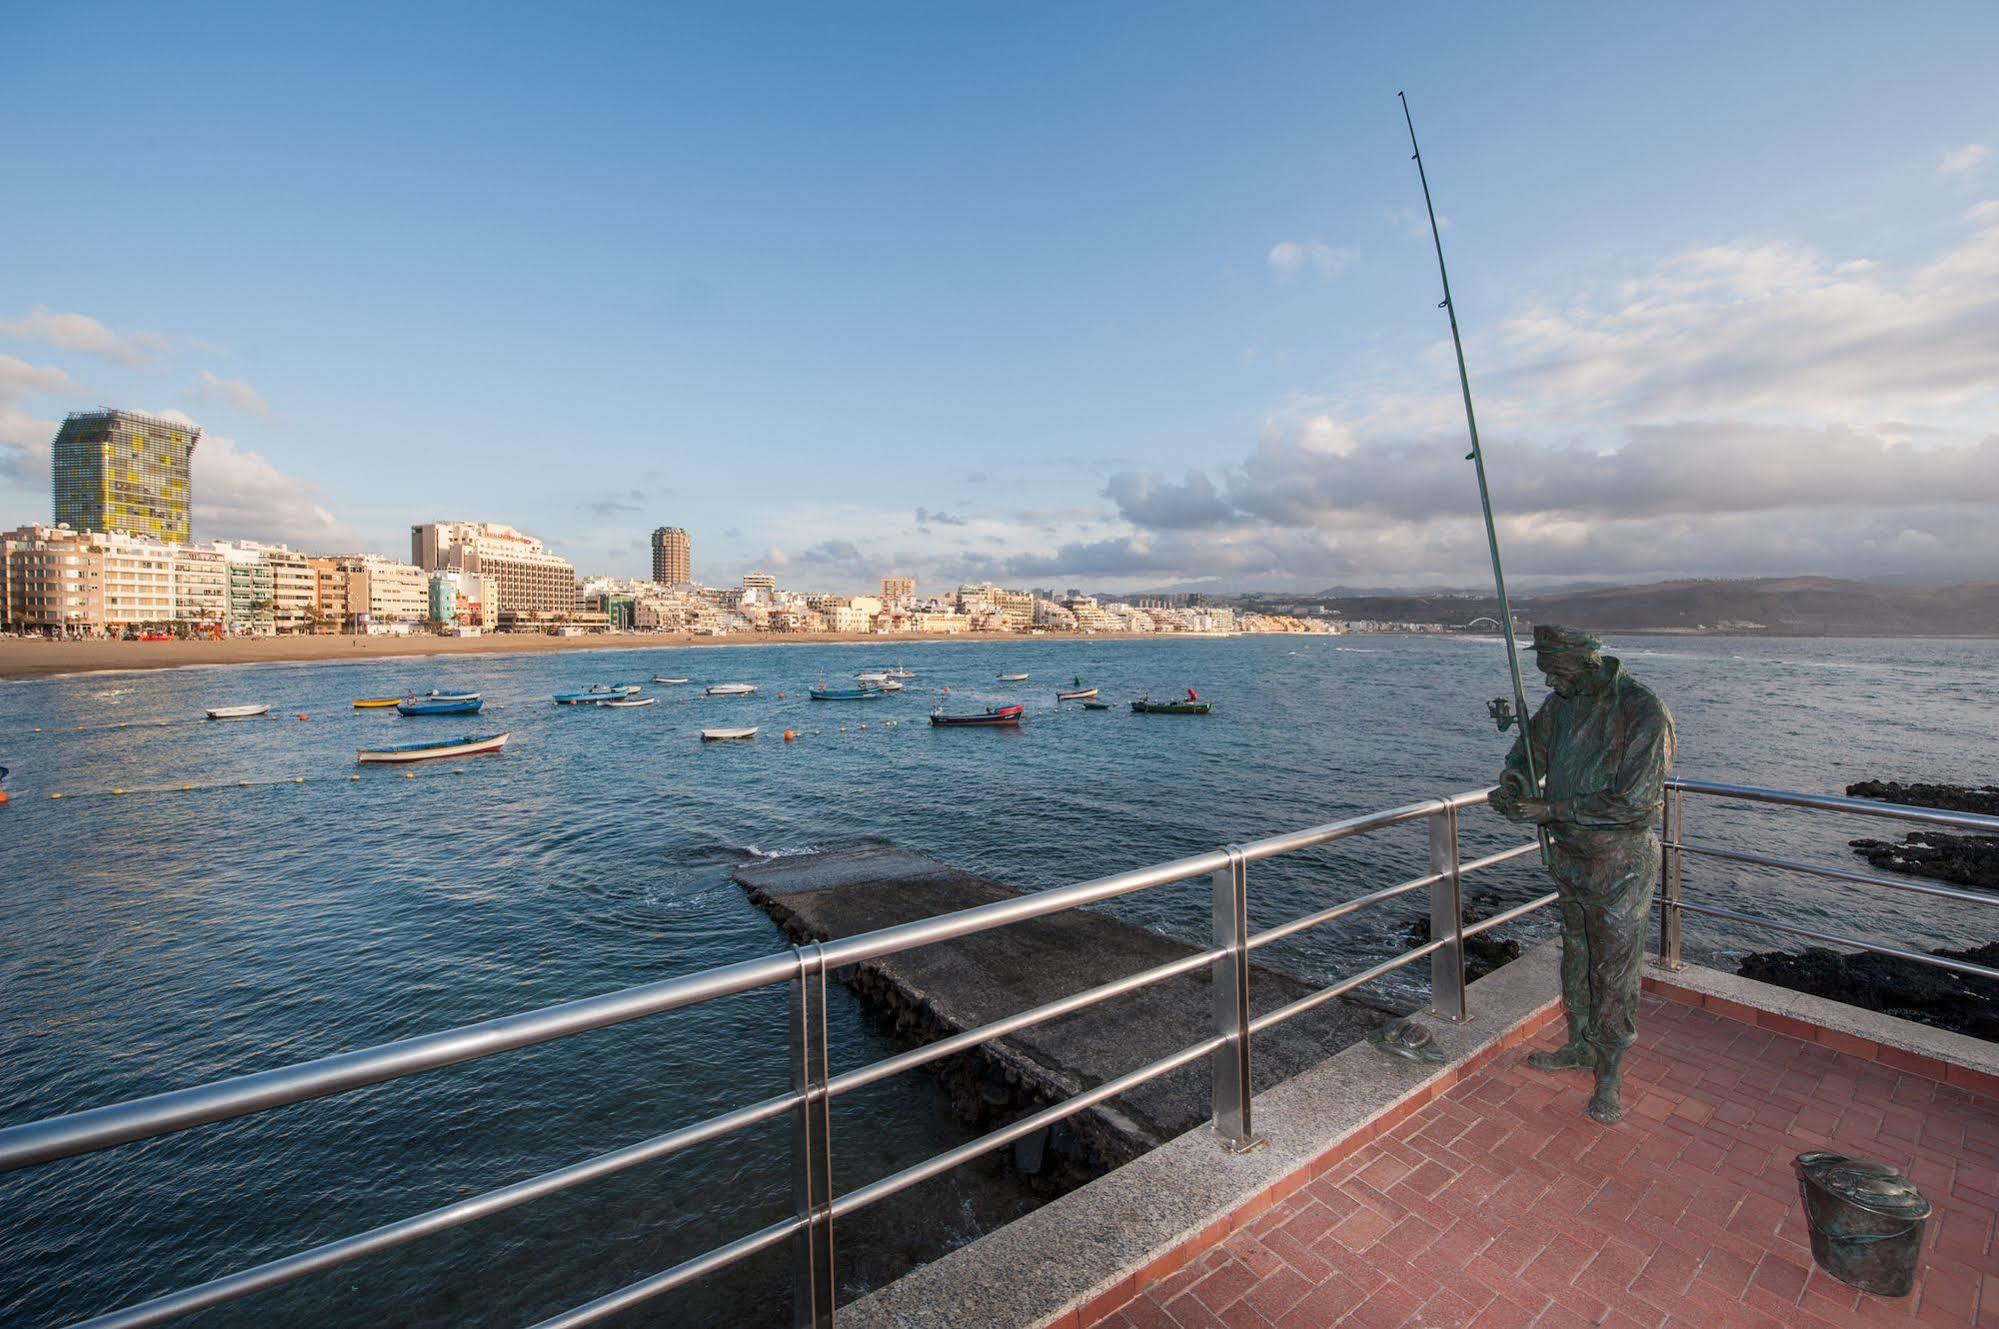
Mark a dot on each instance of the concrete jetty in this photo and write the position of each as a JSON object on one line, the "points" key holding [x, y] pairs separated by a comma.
{"points": [[939, 990]]}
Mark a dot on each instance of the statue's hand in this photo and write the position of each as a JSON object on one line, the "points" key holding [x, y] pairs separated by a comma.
{"points": [[1536, 810]]}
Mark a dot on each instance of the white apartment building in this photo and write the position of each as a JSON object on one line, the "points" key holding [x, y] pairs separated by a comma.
{"points": [[535, 585]]}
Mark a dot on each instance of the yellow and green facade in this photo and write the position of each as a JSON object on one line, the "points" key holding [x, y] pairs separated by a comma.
{"points": [[123, 471]]}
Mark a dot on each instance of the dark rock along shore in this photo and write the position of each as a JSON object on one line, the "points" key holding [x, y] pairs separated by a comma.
{"points": [[1961, 1002]]}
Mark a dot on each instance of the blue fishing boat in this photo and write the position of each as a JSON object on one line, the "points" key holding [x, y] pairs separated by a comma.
{"points": [[845, 694], [466, 703]]}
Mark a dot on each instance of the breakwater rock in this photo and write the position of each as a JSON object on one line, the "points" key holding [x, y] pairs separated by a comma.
{"points": [[1963, 1003], [1963, 860], [1982, 799], [942, 989]]}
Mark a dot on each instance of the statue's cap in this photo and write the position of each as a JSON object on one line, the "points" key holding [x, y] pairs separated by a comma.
{"points": [[1552, 640]]}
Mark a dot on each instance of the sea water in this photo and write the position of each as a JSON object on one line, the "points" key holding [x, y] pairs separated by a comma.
{"points": [[160, 938]]}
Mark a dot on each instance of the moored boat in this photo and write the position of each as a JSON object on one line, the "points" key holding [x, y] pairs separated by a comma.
{"points": [[1178, 706], [845, 694], [467, 746], [435, 695], [1013, 678], [1077, 693], [727, 735], [732, 689], [461, 704], [889, 685], [626, 703], [1004, 715], [376, 703], [900, 672], [1096, 705], [872, 676], [237, 712], [657, 679]]}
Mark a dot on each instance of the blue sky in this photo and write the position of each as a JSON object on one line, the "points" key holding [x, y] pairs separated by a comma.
{"points": [[1107, 295]]}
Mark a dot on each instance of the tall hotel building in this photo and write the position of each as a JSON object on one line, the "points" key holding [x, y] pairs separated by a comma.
{"points": [[535, 586], [124, 472], [672, 557]]}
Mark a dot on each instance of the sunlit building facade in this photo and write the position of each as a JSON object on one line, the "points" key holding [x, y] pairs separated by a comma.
{"points": [[120, 471], [672, 557]]}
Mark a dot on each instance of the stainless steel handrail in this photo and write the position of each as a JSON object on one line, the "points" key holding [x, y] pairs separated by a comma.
{"points": [[1677, 846], [1859, 807], [100, 1128], [1935, 961], [106, 1127]]}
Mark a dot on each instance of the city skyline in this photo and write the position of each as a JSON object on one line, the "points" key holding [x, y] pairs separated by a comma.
{"points": [[1182, 334]]}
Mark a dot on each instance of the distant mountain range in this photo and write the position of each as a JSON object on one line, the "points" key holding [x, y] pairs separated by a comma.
{"points": [[1787, 606]]}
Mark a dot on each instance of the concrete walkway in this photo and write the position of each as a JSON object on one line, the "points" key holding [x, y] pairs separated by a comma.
{"points": [[1501, 1204]]}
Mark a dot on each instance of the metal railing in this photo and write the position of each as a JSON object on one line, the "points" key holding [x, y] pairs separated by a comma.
{"points": [[814, 1083], [1676, 846]]}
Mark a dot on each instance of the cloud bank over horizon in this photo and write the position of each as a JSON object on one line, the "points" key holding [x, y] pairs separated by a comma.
{"points": [[1739, 409]]}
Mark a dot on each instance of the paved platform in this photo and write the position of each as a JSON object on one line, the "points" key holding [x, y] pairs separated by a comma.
{"points": [[1500, 1204]]}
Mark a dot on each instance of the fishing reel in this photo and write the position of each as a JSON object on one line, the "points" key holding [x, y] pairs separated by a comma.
{"points": [[1501, 711]]}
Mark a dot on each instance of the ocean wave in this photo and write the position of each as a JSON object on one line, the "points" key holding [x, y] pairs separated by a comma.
{"points": [[785, 852]]}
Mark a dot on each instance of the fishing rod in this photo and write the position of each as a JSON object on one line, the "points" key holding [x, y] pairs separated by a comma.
{"points": [[1503, 711]]}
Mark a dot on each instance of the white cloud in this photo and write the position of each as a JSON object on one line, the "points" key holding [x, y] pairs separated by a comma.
{"points": [[241, 495], [1718, 414], [233, 393], [1288, 258], [85, 335], [24, 440], [1957, 161]]}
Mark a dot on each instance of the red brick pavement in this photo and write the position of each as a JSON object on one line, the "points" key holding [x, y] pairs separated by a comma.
{"points": [[1500, 1204]]}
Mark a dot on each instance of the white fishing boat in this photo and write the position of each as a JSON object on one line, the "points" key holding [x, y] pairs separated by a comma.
{"points": [[669, 681], [727, 735], [237, 712], [732, 689], [626, 703], [1013, 678], [888, 685], [468, 746], [900, 672], [872, 676]]}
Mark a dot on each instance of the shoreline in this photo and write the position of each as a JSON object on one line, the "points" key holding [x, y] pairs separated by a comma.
{"points": [[24, 661]]}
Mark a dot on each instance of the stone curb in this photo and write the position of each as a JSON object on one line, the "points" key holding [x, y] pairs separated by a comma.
{"points": [[1959, 1060]]}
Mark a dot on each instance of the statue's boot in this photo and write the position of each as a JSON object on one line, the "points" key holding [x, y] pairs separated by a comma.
{"points": [[1607, 1103], [1574, 1055]]}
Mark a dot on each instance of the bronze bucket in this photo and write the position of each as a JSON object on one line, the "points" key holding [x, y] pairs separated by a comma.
{"points": [[1866, 1220]]}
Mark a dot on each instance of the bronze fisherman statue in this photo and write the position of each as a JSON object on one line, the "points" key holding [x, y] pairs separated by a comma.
{"points": [[1606, 745]]}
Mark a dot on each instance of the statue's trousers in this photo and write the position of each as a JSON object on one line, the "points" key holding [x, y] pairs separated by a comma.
{"points": [[1605, 880]]}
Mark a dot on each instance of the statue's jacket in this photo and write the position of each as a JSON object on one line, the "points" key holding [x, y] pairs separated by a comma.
{"points": [[1606, 753]]}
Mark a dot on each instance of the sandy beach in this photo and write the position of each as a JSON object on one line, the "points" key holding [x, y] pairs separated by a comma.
{"points": [[42, 659]]}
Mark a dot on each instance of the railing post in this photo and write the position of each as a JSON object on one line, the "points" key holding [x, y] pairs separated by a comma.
{"points": [[1672, 830], [1447, 916], [811, 1145], [1229, 1064]]}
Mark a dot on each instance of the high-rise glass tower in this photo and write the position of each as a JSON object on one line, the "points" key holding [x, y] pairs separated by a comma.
{"points": [[122, 471], [672, 557]]}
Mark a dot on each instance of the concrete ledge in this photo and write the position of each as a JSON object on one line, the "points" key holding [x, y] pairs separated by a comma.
{"points": [[1936, 1054], [1085, 1253]]}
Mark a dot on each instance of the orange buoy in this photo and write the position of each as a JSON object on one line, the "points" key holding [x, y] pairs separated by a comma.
{"points": [[780, 696], [301, 715], [789, 737], [3, 792]]}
